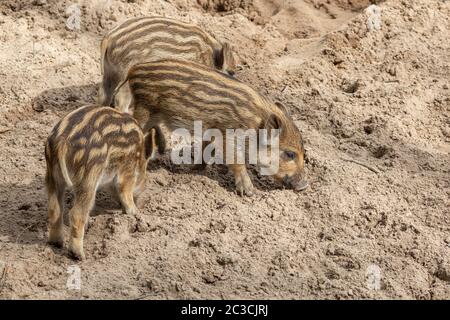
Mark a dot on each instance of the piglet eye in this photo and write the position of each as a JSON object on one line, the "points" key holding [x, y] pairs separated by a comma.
{"points": [[231, 72], [290, 155]]}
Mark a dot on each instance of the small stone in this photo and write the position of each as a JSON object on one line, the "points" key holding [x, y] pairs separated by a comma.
{"points": [[271, 203], [225, 260], [446, 132], [414, 253], [102, 22], [338, 61], [162, 181], [72, 98], [153, 285], [141, 226], [210, 278], [39, 2], [368, 129], [218, 226], [443, 272], [25, 207], [351, 86]]}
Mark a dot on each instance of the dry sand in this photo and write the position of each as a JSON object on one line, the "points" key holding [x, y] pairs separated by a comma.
{"points": [[374, 109]]}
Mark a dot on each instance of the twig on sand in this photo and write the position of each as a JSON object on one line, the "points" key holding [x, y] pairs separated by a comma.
{"points": [[13, 90], [3, 277], [144, 296], [362, 164]]}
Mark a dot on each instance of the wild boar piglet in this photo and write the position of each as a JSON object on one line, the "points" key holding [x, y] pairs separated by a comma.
{"points": [[177, 93], [90, 147], [145, 39]]}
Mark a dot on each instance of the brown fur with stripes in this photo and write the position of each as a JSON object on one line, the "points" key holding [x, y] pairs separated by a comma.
{"points": [[90, 147], [176, 93], [153, 38]]}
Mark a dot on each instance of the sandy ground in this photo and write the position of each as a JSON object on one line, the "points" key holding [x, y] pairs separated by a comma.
{"points": [[374, 109]]}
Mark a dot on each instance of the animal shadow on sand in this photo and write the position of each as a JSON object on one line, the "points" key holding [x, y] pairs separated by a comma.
{"points": [[65, 99], [24, 211], [216, 172]]}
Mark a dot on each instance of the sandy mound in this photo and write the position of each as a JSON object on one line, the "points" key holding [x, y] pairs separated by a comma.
{"points": [[373, 106]]}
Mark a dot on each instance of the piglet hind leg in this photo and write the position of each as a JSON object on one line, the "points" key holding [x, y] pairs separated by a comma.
{"points": [[109, 83], [123, 99], [79, 214], [55, 213], [125, 185], [244, 185], [142, 116]]}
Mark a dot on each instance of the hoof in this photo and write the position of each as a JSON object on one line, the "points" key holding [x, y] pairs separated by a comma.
{"points": [[77, 255]]}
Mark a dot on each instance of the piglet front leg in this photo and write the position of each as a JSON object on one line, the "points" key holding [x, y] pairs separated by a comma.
{"points": [[244, 185]]}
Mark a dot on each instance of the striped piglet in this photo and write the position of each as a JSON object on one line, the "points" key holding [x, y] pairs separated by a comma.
{"points": [[154, 38], [88, 148]]}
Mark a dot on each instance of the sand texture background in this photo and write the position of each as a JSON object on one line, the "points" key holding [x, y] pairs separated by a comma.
{"points": [[373, 107]]}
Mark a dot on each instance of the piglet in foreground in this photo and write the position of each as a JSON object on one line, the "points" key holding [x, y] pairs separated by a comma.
{"points": [[90, 147]]}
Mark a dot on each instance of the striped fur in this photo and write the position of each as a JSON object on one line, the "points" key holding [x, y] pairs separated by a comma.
{"points": [[144, 39], [176, 93], [89, 147]]}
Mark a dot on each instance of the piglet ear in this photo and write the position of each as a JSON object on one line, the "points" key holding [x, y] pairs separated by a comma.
{"points": [[273, 122], [282, 107], [224, 59], [218, 58]]}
